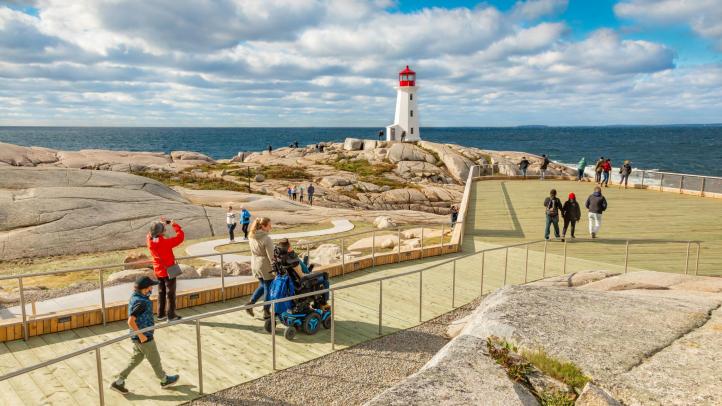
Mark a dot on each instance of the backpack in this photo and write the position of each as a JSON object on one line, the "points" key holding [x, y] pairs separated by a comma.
{"points": [[552, 208]]}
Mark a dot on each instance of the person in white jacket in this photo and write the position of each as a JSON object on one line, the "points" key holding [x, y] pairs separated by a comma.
{"points": [[231, 221]]}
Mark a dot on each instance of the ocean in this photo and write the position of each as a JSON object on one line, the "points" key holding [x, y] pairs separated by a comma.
{"points": [[684, 149]]}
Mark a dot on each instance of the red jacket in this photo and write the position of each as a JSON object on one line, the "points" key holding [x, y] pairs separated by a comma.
{"points": [[607, 167], [162, 251]]}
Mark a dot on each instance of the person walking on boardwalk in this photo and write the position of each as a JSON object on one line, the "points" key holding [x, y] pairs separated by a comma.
{"points": [[571, 213], [543, 167], [625, 171], [161, 249], [552, 205], [596, 204], [523, 166], [140, 316], [261, 247], [606, 171], [245, 222], [598, 169], [311, 190], [231, 221], [300, 193], [581, 166], [454, 211]]}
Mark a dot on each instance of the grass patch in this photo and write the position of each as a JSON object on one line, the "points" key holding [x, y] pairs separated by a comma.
{"points": [[191, 181], [566, 372], [272, 172], [368, 172], [556, 398], [220, 166]]}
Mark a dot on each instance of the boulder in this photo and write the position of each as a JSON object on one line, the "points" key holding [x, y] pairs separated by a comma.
{"points": [[575, 279], [416, 233], [259, 178], [369, 144], [16, 155], [411, 169], [593, 395], [456, 164], [335, 181], [240, 157], [187, 272], [209, 271], [129, 275], [326, 254], [381, 241], [384, 222], [190, 156], [9, 298], [455, 327], [408, 152], [411, 244], [237, 268], [54, 211], [368, 187], [137, 261], [353, 144]]}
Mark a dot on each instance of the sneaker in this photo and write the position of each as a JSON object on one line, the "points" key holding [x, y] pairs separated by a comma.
{"points": [[563, 239], [169, 380], [119, 388], [164, 318], [176, 317], [594, 235]]}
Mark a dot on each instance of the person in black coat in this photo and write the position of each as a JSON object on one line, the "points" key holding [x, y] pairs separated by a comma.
{"points": [[523, 166], [552, 206], [571, 213], [543, 168]]}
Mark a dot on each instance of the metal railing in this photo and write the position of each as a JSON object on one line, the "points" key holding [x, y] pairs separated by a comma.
{"points": [[96, 348], [101, 269]]}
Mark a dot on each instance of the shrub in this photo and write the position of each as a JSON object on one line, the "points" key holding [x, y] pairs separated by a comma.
{"points": [[191, 181]]}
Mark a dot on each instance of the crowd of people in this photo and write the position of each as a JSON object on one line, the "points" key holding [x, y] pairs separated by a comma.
{"points": [[571, 213], [297, 193], [602, 170]]}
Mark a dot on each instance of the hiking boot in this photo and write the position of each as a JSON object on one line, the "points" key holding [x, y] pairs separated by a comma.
{"points": [[594, 235], [563, 239], [250, 310], [169, 380], [119, 388]]}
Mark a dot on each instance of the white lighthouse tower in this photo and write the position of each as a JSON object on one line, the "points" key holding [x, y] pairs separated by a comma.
{"points": [[406, 120]]}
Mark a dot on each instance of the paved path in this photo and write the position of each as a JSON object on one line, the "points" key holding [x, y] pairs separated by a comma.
{"points": [[339, 226]]}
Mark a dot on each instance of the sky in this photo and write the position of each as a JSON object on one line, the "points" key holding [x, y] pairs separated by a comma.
{"points": [[329, 63]]}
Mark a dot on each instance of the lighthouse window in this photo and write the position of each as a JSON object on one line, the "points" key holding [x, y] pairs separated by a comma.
{"points": [[412, 130], [411, 96], [411, 113]]}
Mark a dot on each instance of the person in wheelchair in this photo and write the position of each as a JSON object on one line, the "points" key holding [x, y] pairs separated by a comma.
{"points": [[305, 280]]}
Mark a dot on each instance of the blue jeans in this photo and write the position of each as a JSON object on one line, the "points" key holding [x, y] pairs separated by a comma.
{"points": [[580, 174], [231, 228], [605, 178], [263, 288], [523, 172], [551, 220]]}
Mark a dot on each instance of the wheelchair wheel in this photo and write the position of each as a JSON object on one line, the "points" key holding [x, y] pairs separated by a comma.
{"points": [[327, 323], [289, 333], [268, 326], [312, 323]]}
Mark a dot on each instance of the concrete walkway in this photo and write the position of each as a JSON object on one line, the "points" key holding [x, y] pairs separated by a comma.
{"points": [[339, 226]]}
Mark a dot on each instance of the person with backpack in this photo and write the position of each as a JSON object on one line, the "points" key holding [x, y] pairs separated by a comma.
{"points": [[161, 249], [598, 169], [625, 171], [581, 166], [543, 167], [606, 171], [552, 206], [245, 222], [311, 190], [523, 166], [596, 204], [571, 213]]}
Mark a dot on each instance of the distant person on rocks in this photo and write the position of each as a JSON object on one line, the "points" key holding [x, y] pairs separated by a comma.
{"points": [[625, 171], [231, 221], [606, 171], [596, 204], [543, 167], [598, 170], [245, 222], [270, 149], [322, 146], [571, 213], [403, 136], [140, 316], [454, 211], [381, 135], [581, 166], [311, 190], [289, 191], [261, 260], [294, 193], [300, 193], [523, 166], [552, 206], [295, 144], [161, 249]]}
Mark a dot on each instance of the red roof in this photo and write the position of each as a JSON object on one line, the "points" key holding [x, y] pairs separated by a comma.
{"points": [[406, 71]]}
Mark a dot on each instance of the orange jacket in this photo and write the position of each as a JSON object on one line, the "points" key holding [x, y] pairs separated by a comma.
{"points": [[162, 251]]}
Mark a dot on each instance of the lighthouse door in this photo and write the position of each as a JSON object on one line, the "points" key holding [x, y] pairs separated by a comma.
{"points": [[393, 134]]}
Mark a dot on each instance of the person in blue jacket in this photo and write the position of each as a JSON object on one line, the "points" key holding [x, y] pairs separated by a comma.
{"points": [[245, 222]]}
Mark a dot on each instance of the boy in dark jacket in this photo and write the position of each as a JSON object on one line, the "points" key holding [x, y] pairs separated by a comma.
{"points": [[571, 213], [552, 205], [523, 166], [596, 204], [543, 168]]}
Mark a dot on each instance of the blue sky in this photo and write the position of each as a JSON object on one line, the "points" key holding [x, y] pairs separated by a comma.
{"points": [[333, 62]]}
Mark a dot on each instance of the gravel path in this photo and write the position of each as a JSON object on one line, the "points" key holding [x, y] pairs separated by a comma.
{"points": [[348, 377]]}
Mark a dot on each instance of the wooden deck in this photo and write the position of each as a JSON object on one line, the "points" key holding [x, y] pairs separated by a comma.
{"points": [[237, 349]]}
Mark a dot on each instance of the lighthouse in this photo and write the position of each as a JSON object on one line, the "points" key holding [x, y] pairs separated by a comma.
{"points": [[406, 119]]}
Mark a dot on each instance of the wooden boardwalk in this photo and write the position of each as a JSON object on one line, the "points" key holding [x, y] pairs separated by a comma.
{"points": [[237, 349]]}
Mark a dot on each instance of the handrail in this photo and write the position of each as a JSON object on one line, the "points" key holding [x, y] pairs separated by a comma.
{"points": [[244, 307], [679, 174]]}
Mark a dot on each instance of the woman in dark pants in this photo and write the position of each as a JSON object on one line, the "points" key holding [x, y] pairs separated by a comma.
{"points": [[261, 261], [161, 249], [571, 213]]}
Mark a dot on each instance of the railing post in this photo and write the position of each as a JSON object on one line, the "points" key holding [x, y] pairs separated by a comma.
{"points": [[199, 355], [626, 256], [422, 241], [686, 259], [696, 262], [681, 183], [544, 266], [564, 266], [273, 336], [22, 309], [381, 303], [102, 295], [526, 263], [333, 320], [343, 258], [643, 174], [223, 281], [701, 189], [421, 293], [481, 291], [442, 238], [398, 247], [373, 250], [453, 284], [506, 263], [661, 182], [99, 369]]}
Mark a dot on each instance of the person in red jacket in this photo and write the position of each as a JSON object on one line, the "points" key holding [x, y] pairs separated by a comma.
{"points": [[606, 172], [161, 249]]}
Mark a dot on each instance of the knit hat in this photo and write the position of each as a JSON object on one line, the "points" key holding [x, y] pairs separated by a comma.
{"points": [[572, 196], [156, 229]]}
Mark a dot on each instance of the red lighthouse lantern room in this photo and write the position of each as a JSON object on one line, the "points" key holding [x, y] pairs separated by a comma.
{"points": [[407, 77]]}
